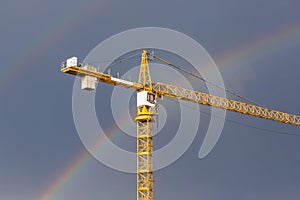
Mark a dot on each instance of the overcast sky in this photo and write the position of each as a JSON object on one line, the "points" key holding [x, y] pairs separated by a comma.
{"points": [[255, 44]]}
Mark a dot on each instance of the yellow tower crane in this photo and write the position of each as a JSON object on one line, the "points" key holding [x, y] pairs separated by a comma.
{"points": [[146, 109]]}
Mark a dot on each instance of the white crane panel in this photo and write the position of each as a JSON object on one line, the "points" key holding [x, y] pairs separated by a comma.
{"points": [[88, 82], [145, 98], [128, 83], [73, 61]]}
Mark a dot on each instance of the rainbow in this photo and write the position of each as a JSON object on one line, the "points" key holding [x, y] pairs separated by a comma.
{"points": [[77, 164], [50, 37], [259, 47], [243, 53], [65, 176]]}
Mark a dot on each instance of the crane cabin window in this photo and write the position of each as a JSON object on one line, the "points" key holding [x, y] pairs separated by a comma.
{"points": [[151, 97]]}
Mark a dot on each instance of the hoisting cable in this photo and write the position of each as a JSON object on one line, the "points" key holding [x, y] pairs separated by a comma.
{"points": [[206, 81], [118, 61]]}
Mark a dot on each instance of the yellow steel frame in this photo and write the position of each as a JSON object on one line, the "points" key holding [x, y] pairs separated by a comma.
{"points": [[145, 181], [101, 77], [163, 89], [144, 76], [144, 118]]}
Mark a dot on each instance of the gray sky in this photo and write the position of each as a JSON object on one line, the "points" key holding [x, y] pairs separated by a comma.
{"points": [[255, 44]]}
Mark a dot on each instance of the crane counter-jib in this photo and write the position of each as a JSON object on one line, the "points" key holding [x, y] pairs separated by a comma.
{"points": [[101, 77]]}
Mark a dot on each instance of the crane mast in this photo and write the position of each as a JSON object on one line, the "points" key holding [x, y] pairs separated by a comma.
{"points": [[144, 122], [147, 109]]}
